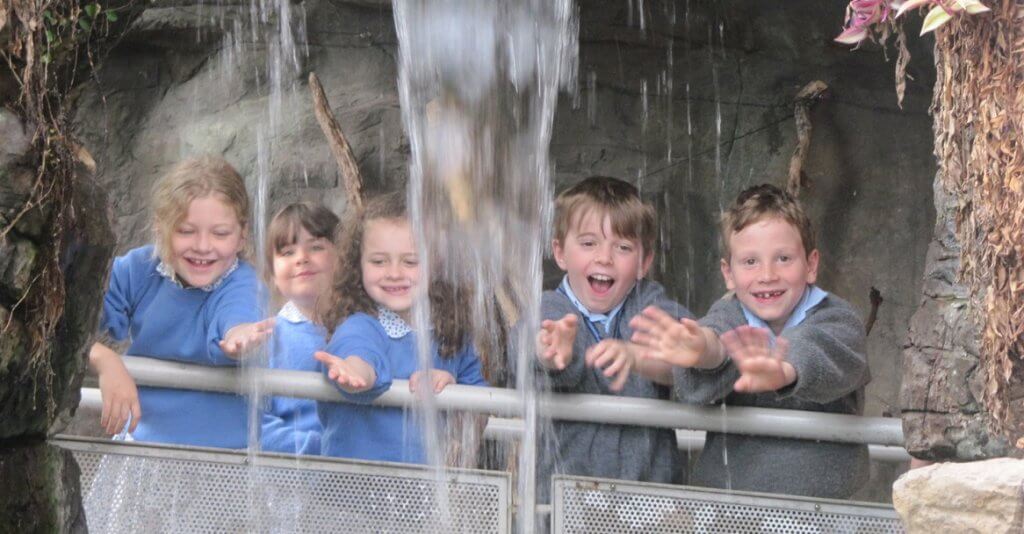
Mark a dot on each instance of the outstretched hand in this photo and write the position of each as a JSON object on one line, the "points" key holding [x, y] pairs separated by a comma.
{"points": [[762, 367], [615, 358], [245, 336], [660, 337], [352, 374], [437, 381], [120, 400], [555, 340]]}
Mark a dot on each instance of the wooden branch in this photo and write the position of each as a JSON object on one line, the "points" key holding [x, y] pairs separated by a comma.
{"points": [[339, 145], [805, 99], [876, 301]]}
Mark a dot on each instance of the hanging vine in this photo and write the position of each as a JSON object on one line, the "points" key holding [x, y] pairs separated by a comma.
{"points": [[978, 111], [46, 46]]}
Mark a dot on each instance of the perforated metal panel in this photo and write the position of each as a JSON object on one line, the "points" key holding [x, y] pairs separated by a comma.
{"points": [[595, 506], [146, 488]]}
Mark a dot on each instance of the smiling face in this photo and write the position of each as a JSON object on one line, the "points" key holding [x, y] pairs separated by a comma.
{"points": [[390, 265], [206, 242], [303, 270], [769, 270], [602, 267]]}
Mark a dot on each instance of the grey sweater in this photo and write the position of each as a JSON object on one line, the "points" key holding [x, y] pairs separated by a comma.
{"points": [[605, 450], [828, 351]]}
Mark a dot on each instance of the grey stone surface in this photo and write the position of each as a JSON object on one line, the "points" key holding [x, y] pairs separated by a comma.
{"points": [[981, 497], [40, 492], [943, 412], [870, 165], [178, 85], [39, 383]]}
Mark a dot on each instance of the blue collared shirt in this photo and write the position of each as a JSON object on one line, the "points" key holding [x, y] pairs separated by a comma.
{"points": [[605, 319], [812, 296]]}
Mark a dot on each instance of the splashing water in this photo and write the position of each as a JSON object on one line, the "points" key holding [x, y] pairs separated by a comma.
{"points": [[478, 85]]}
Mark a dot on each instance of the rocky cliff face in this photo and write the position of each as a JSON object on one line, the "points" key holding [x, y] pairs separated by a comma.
{"points": [[693, 107], [39, 389]]}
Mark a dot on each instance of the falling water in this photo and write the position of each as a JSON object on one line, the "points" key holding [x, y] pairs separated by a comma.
{"points": [[718, 116], [644, 117], [275, 29], [478, 84]]}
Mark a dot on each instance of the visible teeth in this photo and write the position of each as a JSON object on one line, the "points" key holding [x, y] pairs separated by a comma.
{"points": [[601, 278], [768, 294]]}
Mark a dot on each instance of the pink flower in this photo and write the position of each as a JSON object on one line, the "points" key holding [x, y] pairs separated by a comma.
{"points": [[860, 16]]}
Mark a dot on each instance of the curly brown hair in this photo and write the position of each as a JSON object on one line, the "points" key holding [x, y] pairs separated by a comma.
{"points": [[449, 302]]}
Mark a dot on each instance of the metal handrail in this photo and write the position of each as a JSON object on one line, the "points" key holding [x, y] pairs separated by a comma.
{"points": [[508, 403]]}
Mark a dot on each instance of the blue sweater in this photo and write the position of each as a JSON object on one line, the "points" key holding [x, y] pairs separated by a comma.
{"points": [[291, 425], [380, 433], [165, 321]]}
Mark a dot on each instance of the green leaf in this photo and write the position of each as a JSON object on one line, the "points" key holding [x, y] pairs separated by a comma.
{"points": [[85, 24], [50, 36], [92, 10], [48, 15], [45, 57], [111, 16], [935, 18]]}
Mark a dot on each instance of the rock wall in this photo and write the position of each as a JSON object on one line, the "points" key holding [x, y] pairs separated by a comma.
{"points": [[977, 497], [39, 389], [718, 83], [943, 413]]}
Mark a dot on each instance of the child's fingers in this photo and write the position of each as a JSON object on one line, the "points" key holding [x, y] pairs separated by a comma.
{"points": [[781, 348], [616, 365], [643, 339], [326, 358], [655, 314], [544, 338], [730, 340], [742, 385], [754, 338], [692, 327], [442, 381], [266, 325], [568, 320], [105, 414], [648, 324], [136, 411], [414, 381], [594, 352], [620, 380], [116, 420]]}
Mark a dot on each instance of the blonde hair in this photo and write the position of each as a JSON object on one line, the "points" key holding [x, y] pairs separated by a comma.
{"points": [[760, 202], [631, 217], [449, 304], [191, 179], [284, 228]]}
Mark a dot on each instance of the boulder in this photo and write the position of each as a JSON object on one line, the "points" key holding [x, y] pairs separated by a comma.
{"points": [[983, 497]]}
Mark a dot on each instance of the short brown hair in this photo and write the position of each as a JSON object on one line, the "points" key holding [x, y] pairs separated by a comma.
{"points": [[283, 230], [631, 217], [760, 202], [191, 179]]}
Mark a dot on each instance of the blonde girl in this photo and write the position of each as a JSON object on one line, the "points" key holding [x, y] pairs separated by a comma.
{"points": [[189, 297]]}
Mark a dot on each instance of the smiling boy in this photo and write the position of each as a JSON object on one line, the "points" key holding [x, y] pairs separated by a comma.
{"points": [[604, 242], [777, 341]]}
